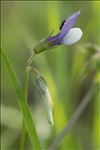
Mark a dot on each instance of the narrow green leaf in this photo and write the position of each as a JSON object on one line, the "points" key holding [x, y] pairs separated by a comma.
{"points": [[22, 103]]}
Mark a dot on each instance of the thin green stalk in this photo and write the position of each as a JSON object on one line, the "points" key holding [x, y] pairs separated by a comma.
{"points": [[31, 58], [21, 99], [81, 107], [23, 135], [27, 71]]}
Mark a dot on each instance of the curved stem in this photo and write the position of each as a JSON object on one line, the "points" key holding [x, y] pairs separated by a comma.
{"points": [[30, 59], [81, 107], [23, 135], [27, 71]]}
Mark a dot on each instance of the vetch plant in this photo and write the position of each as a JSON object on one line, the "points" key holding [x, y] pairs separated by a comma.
{"points": [[66, 36]]}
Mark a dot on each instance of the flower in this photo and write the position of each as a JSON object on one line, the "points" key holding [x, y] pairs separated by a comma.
{"points": [[67, 35]]}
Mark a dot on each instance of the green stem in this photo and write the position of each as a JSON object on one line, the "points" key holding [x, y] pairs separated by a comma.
{"points": [[28, 68], [23, 135], [30, 59]]}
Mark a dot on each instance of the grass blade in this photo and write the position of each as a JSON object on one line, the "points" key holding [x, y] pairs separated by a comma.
{"points": [[22, 103]]}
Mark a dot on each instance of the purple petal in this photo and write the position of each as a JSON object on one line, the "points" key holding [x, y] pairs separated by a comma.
{"points": [[68, 24], [54, 39]]}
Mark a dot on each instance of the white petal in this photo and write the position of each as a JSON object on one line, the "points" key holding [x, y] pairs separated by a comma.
{"points": [[72, 37]]}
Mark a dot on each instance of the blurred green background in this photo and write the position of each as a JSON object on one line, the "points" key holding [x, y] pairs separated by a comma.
{"points": [[23, 24]]}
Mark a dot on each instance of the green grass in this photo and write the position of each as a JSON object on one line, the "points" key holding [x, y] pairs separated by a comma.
{"points": [[22, 103]]}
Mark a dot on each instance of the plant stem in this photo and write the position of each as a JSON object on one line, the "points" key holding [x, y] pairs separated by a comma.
{"points": [[30, 59], [27, 71], [23, 135], [81, 107]]}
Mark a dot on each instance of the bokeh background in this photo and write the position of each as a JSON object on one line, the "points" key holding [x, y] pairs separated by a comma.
{"points": [[23, 24]]}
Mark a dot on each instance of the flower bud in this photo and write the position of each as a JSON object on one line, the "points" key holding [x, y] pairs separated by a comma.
{"points": [[44, 90]]}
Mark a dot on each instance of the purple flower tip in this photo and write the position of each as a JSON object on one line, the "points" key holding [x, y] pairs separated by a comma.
{"points": [[64, 29]]}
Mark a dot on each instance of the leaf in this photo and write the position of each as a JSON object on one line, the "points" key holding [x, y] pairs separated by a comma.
{"points": [[22, 103]]}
